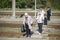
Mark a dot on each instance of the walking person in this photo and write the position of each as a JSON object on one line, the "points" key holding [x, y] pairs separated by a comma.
{"points": [[40, 20], [28, 24], [48, 13]]}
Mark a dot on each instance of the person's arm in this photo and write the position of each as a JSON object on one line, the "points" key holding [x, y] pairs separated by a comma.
{"points": [[29, 24], [37, 18], [42, 17], [31, 20]]}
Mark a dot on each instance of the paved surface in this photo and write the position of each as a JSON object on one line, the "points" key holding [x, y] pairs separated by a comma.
{"points": [[4, 38]]}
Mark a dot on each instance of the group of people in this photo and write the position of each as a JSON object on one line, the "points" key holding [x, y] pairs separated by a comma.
{"points": [[28, 21]]}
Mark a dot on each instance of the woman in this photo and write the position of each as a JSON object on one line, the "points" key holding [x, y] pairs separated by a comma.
{"points": [[27, 23], [40, 20]]}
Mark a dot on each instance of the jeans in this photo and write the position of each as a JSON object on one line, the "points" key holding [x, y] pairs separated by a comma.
{"points": [[40, 27], [28, 31]]}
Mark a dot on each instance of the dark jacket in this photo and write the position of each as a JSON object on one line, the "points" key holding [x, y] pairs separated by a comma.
{"points": [[49, 12]]}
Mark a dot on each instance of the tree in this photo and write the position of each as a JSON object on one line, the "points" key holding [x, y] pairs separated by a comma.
{"points": [[5, 3], [55, 4]]}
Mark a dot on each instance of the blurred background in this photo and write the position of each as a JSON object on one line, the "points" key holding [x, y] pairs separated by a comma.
{"points": [[20, 4]]}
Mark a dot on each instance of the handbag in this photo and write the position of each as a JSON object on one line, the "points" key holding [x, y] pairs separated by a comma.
{"points": [[45, 21], [23, 29]]}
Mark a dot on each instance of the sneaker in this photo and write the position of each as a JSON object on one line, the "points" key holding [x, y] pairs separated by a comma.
{"points": [[37, 32], [40, 34]]}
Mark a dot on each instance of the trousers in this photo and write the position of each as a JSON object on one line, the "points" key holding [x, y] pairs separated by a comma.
{"points": [[40, 27]]}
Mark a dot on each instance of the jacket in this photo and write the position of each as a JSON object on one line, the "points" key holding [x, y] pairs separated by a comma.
{"points": [[29, 21], [40, 18]]}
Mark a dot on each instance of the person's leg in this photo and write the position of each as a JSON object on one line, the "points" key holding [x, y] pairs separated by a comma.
{"points": [[29, 33], [40, 27], [47, 17], [27, 30]]}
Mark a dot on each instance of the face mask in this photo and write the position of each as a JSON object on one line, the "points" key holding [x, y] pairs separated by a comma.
{"points": [[26, 17]]}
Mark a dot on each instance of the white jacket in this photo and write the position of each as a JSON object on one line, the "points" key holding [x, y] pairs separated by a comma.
{"points": [[29, 22], [40, 18]]}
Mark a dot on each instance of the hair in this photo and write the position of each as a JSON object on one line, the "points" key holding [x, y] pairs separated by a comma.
{"points": [[22, 15], [48, 7]]}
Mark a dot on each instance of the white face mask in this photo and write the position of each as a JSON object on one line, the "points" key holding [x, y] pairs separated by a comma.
{"points": [[25, 16]]}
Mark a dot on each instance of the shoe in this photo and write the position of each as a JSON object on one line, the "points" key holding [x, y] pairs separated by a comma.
{"points": [[29, 35], [24, 34], [37, 32], [40, 34]]}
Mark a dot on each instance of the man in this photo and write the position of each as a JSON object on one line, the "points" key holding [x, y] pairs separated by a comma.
{"points": [[27, 23], [48, 13], [40, 20]]}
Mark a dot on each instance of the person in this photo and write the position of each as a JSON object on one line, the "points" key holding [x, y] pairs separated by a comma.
{"points": [[28, 24], [40, 20], [48, 13]]}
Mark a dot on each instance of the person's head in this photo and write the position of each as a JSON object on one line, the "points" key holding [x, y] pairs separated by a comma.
{"points": [[48, 7], [39, 14], [26, 14], [41, 9]]}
